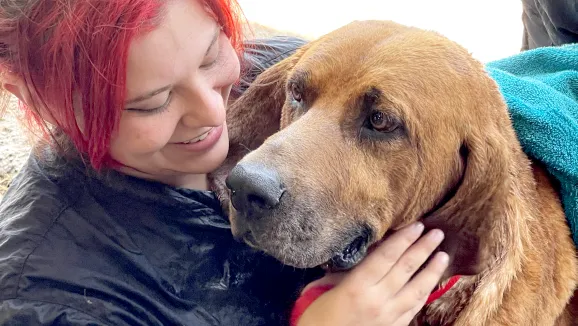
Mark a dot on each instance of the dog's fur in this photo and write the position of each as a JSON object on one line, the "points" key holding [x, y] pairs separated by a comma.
{"points": [[453, 161]]}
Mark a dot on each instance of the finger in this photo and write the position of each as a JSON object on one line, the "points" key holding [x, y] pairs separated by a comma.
{"points": [[330, 278], [410, 262], [409, 315], [378, 263], [422, 284]]}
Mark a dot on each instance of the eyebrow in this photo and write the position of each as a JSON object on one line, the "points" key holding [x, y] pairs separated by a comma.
{"points": [[148, 95], [165, 88], [214, 40]]}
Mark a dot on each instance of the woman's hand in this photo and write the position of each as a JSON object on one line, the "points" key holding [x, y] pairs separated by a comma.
{"points": [[382, 289]]}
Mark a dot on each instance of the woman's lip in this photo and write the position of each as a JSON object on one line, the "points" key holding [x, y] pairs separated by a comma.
{"points": [[199, 136], [212, 138]]}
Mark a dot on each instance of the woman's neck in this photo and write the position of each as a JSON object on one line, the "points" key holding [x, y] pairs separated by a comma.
{"points": [[189, 181]]}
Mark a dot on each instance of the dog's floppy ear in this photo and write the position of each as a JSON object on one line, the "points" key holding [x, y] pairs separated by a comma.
{"points": [[478, 199], [256, 114], [252, 118]]}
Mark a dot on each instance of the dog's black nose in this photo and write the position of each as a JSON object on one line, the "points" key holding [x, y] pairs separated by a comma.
{"points": [[254, 188]]}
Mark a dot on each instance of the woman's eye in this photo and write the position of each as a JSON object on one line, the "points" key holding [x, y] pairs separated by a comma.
{"points": [[213, 57], [295, 93], [211, 63], [156, 109], [382, 123]]}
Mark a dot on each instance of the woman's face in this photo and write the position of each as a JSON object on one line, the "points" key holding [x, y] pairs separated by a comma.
{"points": [[178, 81]]}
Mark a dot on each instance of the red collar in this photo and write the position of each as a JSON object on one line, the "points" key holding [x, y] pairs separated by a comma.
{"points": [[313, 293], [442, 290]]}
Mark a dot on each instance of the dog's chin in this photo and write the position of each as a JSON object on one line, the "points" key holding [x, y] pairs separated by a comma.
{"points": [[345, 259]]}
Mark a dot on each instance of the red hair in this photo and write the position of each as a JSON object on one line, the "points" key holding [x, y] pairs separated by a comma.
{"points": [[67, 47]]}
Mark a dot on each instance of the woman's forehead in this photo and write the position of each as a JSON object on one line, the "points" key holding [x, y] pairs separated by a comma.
{"points": [[172, 49]]}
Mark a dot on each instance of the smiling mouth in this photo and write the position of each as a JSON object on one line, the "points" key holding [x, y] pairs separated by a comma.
{"points": [[198, 138]]}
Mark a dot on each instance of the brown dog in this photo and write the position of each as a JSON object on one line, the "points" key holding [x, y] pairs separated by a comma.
{"points": [[381, 125]]}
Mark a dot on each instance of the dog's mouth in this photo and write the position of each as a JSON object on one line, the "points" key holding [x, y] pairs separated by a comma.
{"points": [[350, 256]]}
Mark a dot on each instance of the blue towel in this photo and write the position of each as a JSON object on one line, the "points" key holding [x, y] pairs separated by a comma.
{"points": [[540, 88]]}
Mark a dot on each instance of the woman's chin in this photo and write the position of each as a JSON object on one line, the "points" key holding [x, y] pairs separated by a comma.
{"points": [[171, 168], [213, 159]]}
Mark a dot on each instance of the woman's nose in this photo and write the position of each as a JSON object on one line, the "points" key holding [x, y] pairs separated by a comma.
{"points": [[205, 107]]}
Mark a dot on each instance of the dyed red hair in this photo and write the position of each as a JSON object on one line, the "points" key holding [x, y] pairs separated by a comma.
{"points": [[73, 53]]}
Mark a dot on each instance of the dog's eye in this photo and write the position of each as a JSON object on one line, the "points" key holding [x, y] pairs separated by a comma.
{"points": [[295, 93], [382, 122]]}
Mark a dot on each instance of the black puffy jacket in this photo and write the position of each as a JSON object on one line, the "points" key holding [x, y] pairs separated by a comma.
{"points": [[549, 23], [77, 248]]}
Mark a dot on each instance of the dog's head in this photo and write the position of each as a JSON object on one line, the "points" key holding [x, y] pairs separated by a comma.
{"points": [[381, 125]]}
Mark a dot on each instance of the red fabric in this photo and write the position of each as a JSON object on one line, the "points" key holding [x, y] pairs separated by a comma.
{"points": [[307, 298], [438, 293]]}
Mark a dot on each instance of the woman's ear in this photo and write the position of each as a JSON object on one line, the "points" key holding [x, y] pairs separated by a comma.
{"points": [[15, 84]]}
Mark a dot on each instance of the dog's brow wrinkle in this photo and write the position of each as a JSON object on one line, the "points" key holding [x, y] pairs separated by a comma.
{"points": [[301, 76], [373, 94], [370, 98]]}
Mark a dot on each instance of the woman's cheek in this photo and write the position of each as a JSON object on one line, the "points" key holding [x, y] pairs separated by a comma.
{"points": [[143, 135]]}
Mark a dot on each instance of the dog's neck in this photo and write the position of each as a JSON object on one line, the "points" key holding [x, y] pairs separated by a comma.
{"points": [[511, 232]]}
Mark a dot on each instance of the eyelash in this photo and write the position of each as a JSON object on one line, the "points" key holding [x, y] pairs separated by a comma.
{"points": [[217, 59], [156, 110]]}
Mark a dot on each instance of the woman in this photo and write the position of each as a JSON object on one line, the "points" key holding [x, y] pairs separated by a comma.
{"points": [[111, 221]]}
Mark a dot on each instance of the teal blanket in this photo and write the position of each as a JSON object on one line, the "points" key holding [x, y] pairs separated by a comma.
{"points": [[541, 89]]}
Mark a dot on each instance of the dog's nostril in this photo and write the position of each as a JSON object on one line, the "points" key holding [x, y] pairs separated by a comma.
{"points": [[255, 188], [263, 202]]}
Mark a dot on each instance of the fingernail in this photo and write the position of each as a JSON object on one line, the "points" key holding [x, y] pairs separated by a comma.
{"points": [[437, 235], [444, 257], [418, 227]]}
